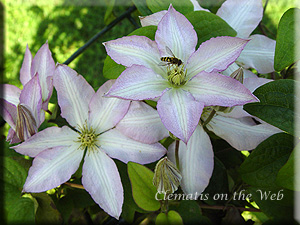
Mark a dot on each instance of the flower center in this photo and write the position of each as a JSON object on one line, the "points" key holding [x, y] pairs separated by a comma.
{"points": [[176, 75], [87, 138]]}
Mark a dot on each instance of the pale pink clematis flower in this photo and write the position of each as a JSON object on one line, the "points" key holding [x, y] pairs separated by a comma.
{"points": [[22, 109], [196, 159], [243, 16], [183, 90], [59, 151]]}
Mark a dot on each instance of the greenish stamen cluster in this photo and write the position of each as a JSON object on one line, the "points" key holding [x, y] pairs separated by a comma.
{"points": [[87, 138], [176, 75]]}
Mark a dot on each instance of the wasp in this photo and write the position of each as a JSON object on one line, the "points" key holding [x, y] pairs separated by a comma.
{"points": [[170, 60]]}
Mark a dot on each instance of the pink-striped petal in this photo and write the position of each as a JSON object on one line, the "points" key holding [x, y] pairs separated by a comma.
{"points": [[214, 55], [138, 50], [43, 63], [179, 112], [138, 83], [259, 54], [52, 167], [101, 179], [25, 71], [10, 93], [142, 123], [74, 94], [241, 133], [196, 161], [106, 112], [218, 89], [152, 19], [49, 138], [121, 147], [31, 96], [9, 113], [242, 15], [177, 33]]}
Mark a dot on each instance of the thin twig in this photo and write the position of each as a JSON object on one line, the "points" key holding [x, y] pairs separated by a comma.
{"points": [[79, 186], [95, 37], [221, 207], [176, 153]]}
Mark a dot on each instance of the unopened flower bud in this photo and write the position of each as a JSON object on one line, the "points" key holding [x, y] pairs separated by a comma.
{"points": [[238, 75], [166, 177], [25, 125]]}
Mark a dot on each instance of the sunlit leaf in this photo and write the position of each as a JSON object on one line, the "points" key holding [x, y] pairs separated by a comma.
{"points": [[183, 6]]}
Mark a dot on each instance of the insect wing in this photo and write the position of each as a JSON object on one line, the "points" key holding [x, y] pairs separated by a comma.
{"points": [[169, 51]]}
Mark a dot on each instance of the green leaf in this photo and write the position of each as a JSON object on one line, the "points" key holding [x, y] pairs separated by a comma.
{"points": [[191, 213], [286, 41], [109, 16], [22, 211], [183, 6], [148, 31], [129, 206], [142, 7], [208, 25], [47, 212], [276, 203], [143, 191], [111, 69], [286, 175], [276, 104], [172, 217], [262, 165]]}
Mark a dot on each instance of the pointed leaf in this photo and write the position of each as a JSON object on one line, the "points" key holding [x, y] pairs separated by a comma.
{"points": [[276, 105], [286, 40], [183, 6], [261, 167], [143, 191], [208, 25]]}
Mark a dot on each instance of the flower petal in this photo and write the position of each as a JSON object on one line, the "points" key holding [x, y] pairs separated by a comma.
{"points": [[46, 139], [138, 50], [12, 137], [142, 123], [43, 63], [121, 147], [25, 71], [31, 96], [10, 93], [179, 112], [138, 83], [214, 55], [177, 33], [218, 89], [152, 19], [242, 15], [259, 54], [52, 167], [196, 161], [106, 112], [100, 177], [74, 94], [9, 113], [241, 133], [197, 6]]}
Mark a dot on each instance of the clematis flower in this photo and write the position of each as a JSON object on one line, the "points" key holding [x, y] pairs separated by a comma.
{"points": [[243, 16], [236, 127], [183, 90], [59, 151], [22, 109]]}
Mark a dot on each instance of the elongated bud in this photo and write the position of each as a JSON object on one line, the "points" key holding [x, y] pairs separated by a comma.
{"points": [[26, 125], [238, 75], [166, 177]]}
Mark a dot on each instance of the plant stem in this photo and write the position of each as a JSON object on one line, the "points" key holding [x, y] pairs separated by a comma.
{"points": [[221, 207], [176, 153], [211, 115], [74, 185]]}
